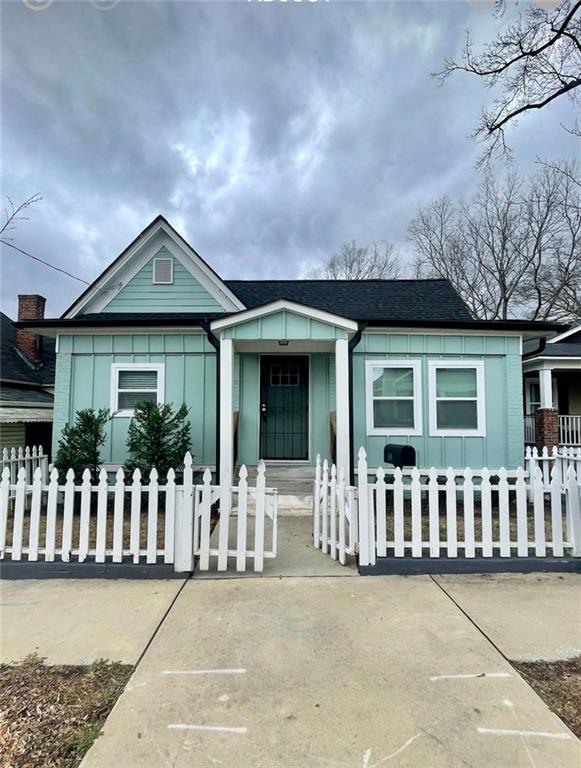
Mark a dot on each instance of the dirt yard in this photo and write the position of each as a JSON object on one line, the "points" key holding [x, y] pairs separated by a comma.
{"points": [[51, 715], [558, 683]]}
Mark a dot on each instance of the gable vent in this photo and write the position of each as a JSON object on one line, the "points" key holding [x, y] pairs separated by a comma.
{"points": [[163, 271]]}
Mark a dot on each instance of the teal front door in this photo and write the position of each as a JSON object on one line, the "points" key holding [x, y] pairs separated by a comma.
{"points": [[284, 407]]}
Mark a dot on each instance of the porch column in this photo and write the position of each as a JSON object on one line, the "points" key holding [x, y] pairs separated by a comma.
{"points": [[546, 387], [547, 417], [226, 410], [342, 406]]}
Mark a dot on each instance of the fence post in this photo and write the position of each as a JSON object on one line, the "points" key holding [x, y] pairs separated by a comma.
{"points": [[224, 522], [259, 517], [170, 511], [325, 508], [184, 520], [51, 505], [241, 533], [4, 496], [362, 493], [43, 458], [574, 510], [317, 504]]}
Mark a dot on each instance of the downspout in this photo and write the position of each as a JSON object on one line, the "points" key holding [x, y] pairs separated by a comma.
{"points": [[539, 350], [215, 342], [353, 342]]}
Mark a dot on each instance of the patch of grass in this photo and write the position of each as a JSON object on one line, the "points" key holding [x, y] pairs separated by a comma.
{"points": [[51, 715], [558, 683]]}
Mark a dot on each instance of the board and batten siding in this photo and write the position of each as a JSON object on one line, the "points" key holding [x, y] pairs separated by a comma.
{"points": [[504, 440], [284, 325], [83, 380], [185, 294]]}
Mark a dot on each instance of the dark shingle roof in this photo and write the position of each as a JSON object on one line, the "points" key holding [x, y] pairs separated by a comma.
{"points": [[385, 300], [561, 349], [14, 368], [32, 395]]}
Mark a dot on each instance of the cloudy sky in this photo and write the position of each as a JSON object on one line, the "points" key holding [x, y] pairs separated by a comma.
{"points": [[267, 133]]}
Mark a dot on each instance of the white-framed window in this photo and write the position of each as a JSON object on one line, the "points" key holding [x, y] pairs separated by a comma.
{"points": [[533, 395], [163, 270], [133, 383], [393, 397], [457, 398]]}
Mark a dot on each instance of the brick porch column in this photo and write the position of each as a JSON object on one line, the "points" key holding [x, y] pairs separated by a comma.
{"points": [[547, 427]]}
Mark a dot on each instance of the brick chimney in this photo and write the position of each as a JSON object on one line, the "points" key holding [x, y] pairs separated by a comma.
{"points": [[30, 307]]}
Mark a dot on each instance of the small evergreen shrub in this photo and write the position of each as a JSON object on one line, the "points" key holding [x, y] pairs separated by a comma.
{"points": [[159, 437], [80, 444]]}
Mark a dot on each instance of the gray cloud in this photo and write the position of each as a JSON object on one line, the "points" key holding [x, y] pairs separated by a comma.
{"points": [[267, 133]]}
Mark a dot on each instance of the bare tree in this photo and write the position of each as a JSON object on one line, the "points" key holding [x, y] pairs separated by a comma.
{"points": [[513, 250], [14, 213], [354, 262], [533, 62]]}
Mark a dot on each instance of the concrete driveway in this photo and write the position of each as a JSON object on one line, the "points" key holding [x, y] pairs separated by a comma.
{"points": [[76, 621], [301, 672]]}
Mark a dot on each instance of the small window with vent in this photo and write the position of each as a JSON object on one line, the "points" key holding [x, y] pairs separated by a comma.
{"points": [[163, 271], [133, 383]]}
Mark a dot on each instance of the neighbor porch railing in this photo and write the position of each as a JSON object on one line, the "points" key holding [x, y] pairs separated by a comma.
{"points": [[530, 429], [570, 430]]}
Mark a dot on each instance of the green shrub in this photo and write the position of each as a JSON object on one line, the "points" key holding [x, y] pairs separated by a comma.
{"points": [[80, 445], [158, 437]]}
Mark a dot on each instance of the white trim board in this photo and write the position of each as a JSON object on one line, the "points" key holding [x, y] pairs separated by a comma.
{"points": [[279, 306], [159, 235]]}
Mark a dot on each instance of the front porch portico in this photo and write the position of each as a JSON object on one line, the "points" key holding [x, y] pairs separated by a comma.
{"points": [[313, 349]]}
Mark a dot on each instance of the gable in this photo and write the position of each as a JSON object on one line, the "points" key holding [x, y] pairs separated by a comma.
{"points": [[184, 294], [284, 320], [127, 284]]}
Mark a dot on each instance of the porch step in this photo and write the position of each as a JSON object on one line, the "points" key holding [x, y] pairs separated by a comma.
{"points": [[292, 480]]}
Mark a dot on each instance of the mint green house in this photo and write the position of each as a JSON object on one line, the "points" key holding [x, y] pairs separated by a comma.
{"points": [[285, 370]]}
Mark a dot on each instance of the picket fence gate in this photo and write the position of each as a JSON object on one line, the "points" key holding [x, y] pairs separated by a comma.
{"points": [[335, 514], [132, 522], [430, 513]]}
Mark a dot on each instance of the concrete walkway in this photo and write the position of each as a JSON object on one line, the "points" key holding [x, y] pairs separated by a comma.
{"points": [[301, 672], [76, 621], [296, 555], [528, 616]]}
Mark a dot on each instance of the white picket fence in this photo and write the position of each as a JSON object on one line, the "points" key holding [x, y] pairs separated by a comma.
{"points": [[135, 522], [334, 513], [430, 513], [29, 459], [244, 508]]}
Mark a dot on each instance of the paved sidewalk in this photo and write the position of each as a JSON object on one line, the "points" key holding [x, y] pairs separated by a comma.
{"points": [[301, 672], [296, 555], [76, 621], [528, 616]]}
